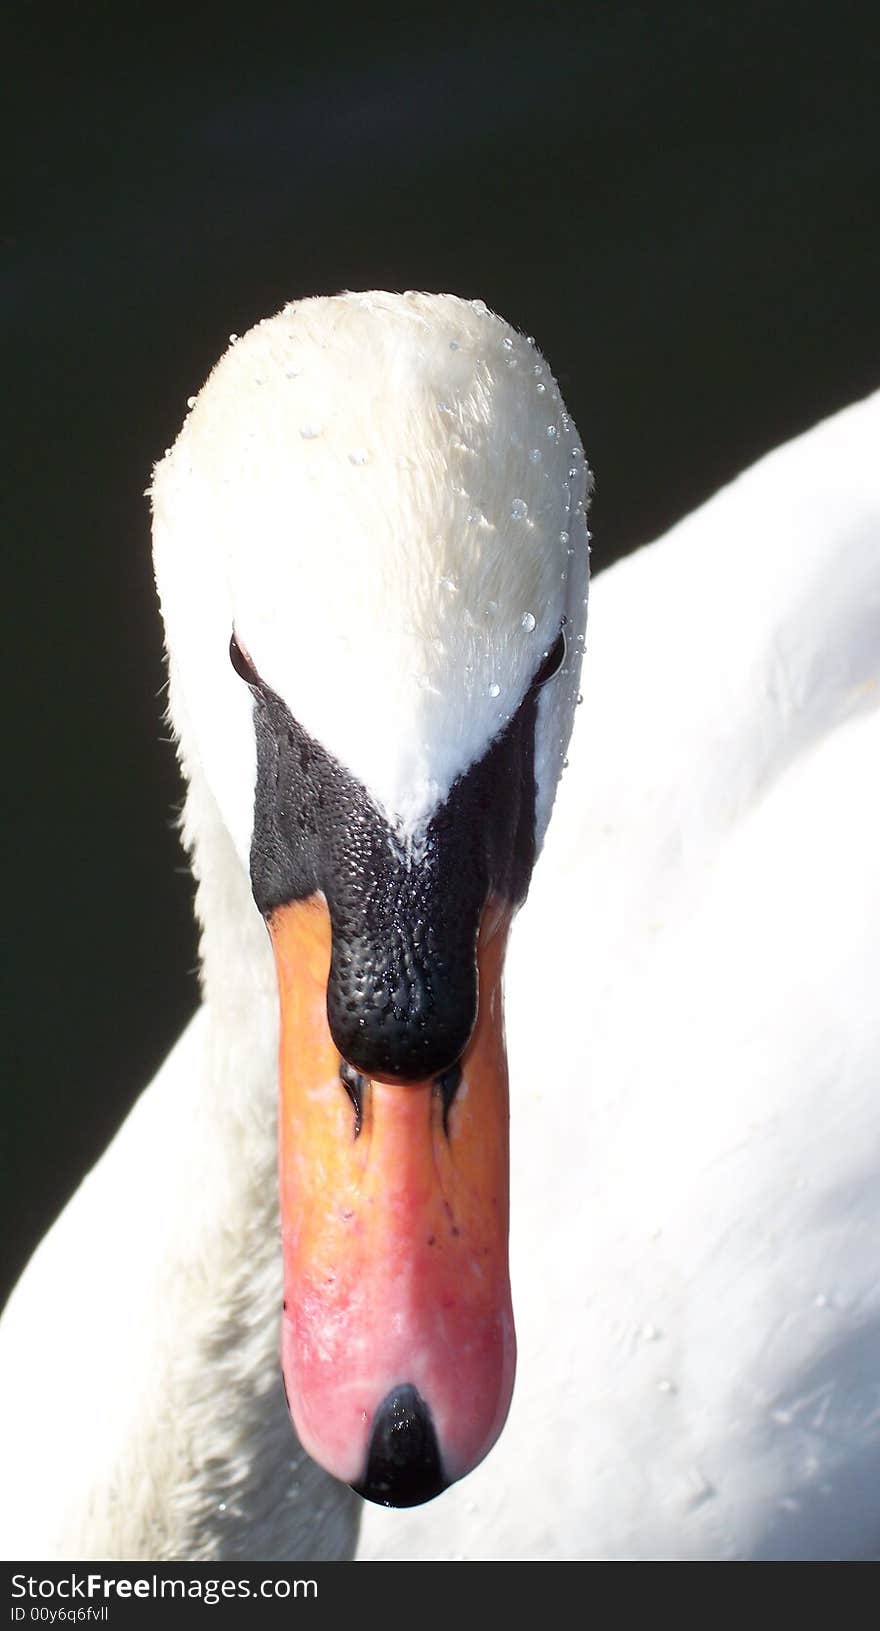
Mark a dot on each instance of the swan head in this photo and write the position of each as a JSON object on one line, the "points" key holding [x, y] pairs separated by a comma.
{"points": [[377, 509]]}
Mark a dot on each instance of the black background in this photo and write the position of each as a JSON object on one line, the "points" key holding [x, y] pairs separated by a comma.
{"points": [[679, 200]]}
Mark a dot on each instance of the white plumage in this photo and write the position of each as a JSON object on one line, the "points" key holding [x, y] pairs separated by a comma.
{"points": [[693, 1035]]}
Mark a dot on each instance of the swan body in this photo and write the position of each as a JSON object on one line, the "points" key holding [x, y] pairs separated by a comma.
{"points": [[693, 1034]]}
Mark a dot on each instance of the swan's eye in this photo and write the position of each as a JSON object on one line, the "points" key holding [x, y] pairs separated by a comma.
{"points": [[553, 661], [241, 662]]}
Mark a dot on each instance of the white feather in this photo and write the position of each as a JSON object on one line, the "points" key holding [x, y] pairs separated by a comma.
{"points": [[376, 490]]}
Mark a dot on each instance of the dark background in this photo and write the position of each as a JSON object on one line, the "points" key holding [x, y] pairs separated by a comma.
{"points": [[680, 202]]}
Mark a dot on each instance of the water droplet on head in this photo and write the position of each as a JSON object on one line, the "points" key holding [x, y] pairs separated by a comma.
{"points": [[359, 456], [473, 517], [535, 455], [579, 699], [519, 509], [563, 537], [494, 689], [309, 432], [190, 401], [232, 339], [528, 621], [480, 307], [507, 343], [454, 345], [541, 388], [450, 587], [552, 432]]}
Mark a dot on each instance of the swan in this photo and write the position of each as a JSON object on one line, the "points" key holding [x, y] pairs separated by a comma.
{"points": [[693, 1030]]}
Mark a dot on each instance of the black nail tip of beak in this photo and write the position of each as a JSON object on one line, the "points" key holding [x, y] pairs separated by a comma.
{"points": [[403, 1465]]}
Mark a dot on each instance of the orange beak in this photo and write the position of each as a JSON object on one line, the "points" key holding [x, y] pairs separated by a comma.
{"points": [[394, 1222]]}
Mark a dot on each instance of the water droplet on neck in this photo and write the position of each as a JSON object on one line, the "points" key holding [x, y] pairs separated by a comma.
{"points": [[480, 307], [528, 621], [563, 537], [535, 455], [359, 456], [309, 432], [507, 343], [552, 432], [541, 388], [519, 509], [494, 689]]}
